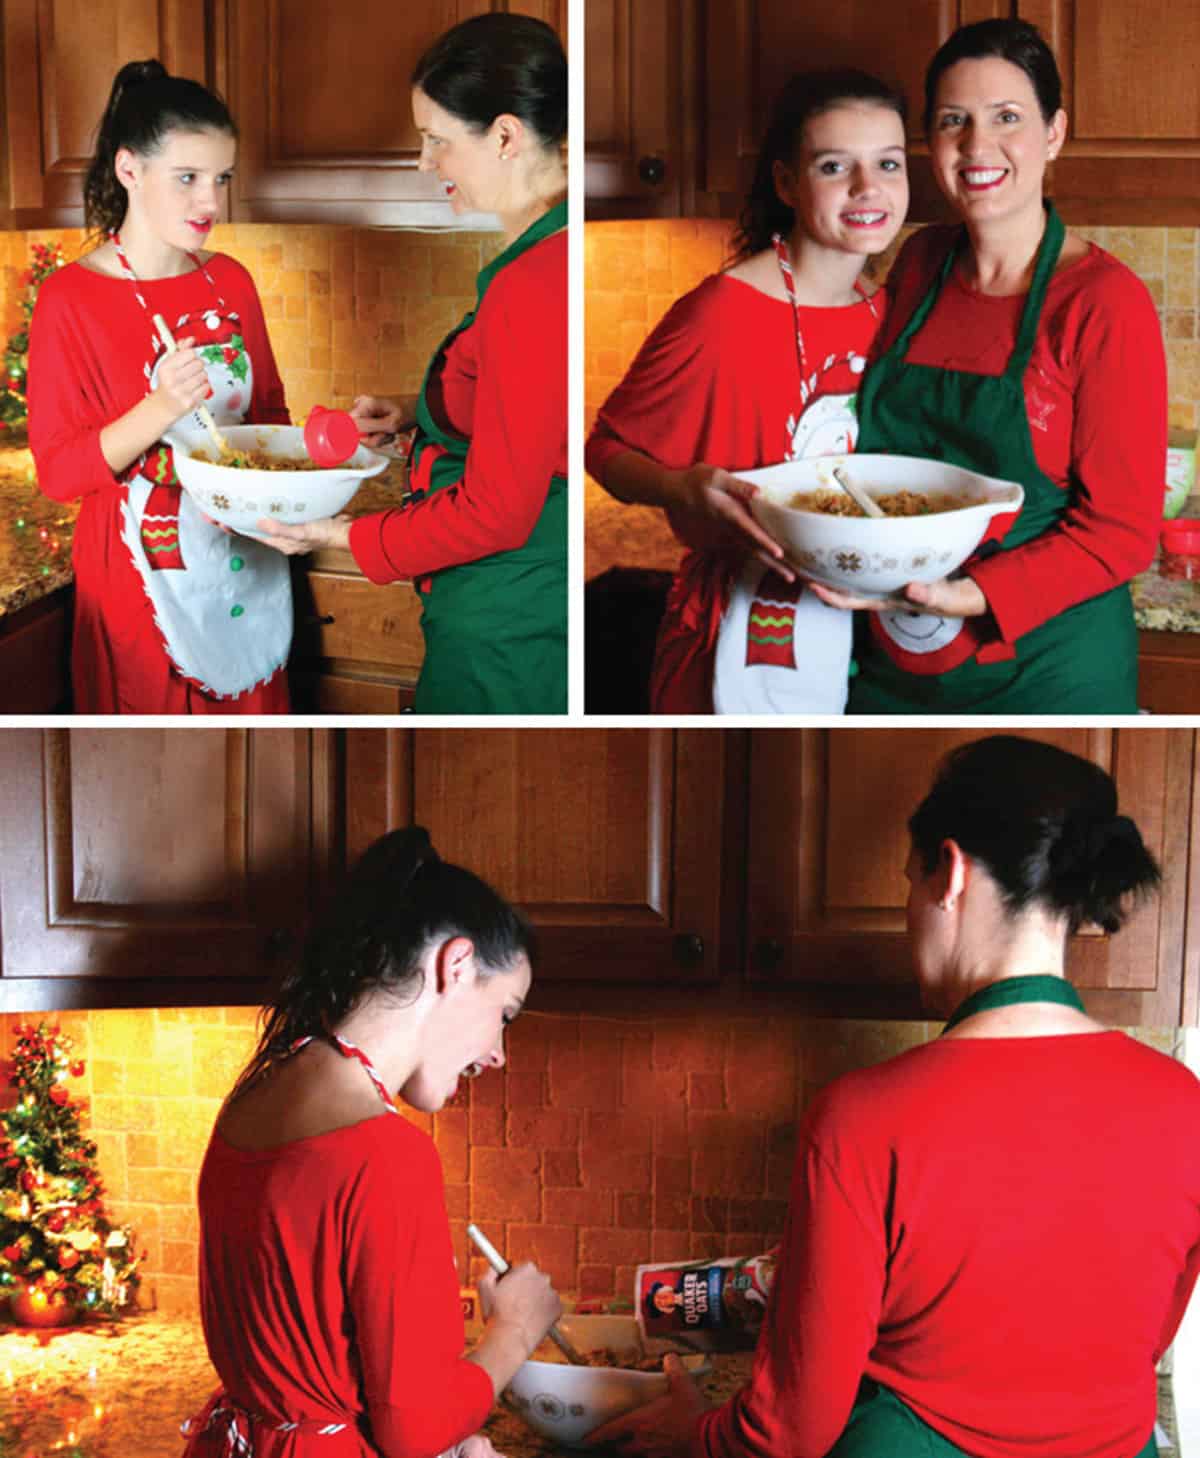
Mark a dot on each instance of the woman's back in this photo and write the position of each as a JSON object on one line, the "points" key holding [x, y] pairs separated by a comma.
{"points": [[1003, 1232]]}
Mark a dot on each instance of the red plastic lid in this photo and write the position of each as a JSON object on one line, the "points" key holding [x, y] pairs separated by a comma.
{"points": [[1181, 535], [330, 436]]}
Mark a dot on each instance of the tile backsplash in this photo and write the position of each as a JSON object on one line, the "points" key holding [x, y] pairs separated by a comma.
{"points": [[350, 310], [602, 1143]]}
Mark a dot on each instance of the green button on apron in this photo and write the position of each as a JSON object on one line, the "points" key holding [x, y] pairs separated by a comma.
{"points": [[495, 630], [1084, 661]]}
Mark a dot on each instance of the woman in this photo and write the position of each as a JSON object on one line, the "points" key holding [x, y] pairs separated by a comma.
{"points": [[757, 365], [328, 1288], [1008, 350], [173, 615], [991, 1238], [485, 540]]}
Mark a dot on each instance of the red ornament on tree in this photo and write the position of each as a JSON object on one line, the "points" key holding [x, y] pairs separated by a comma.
{"points": [[60, 1096], [68, 1257]]}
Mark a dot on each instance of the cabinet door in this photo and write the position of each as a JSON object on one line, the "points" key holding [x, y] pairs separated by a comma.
{"points": [[633, 135], [1129, 88], [609, 840], [60, 57], [752, 47], [828, 843], [148, 867], [323, 104]]}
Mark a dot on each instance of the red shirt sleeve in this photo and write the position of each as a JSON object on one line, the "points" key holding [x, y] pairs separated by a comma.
{"points": [[820, 1326], [422, 1396], [1118, 457], [64, 433], [518, 432]]}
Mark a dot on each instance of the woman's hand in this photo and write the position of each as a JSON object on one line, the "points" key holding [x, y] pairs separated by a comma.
{"points": [[182, 382], [295, 539], [948, 597], [711, 509], [523, 1300], [661, 1429], [379, 420]]}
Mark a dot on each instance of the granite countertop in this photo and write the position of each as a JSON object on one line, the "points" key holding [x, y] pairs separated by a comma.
{"points": [[638, 536], [124, 1387], [36, 533]]}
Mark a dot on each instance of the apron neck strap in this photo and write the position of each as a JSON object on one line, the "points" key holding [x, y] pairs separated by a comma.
{"points": [[553, 221], [1047, 258], [1009, 991]]}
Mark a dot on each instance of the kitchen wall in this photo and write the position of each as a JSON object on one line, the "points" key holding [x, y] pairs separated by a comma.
{"points": [[635, 270], [603, 1142], [350, 310]]}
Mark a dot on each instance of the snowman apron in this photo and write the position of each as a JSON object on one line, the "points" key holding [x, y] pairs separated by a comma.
{"points": [[222, 602], [780, 649], [495, 630], [1082, 661]]}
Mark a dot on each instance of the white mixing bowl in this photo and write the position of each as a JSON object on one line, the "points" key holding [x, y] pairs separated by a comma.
{"points": [[239, 498], [876, 556], [564, 1403]]}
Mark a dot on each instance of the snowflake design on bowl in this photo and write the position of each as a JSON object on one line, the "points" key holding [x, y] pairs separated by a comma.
{"points": [[848, 561], [220, 501], [548, 1407], [919, 562], [577, 1409], [276, 508]]}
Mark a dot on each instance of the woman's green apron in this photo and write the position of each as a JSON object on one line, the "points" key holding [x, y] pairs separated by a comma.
{"points": [[1082, 661], [880, 1424], [495, 630]]}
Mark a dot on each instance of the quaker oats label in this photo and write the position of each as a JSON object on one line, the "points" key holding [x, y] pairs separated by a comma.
{"points": [[708, 1304]]}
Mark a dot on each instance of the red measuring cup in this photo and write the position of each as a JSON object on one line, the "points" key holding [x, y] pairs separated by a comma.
{"points": [[330, 436]]}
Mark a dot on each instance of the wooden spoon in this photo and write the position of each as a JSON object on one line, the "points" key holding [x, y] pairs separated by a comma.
{"points": [[202, 410], [500, 1265], [857, 494]]}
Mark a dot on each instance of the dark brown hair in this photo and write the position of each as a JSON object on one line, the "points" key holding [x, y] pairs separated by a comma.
{"points": [[145, 104], [1015, 41]]}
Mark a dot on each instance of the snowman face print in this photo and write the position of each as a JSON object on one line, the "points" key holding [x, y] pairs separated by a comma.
{"points": [[829, 427], [219, 341], [920, 632]]}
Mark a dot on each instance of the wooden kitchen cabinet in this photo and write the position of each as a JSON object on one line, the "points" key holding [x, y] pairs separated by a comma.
{"points": [[1168, 672], [152, 867], [634, 126], [327, 133], [358, 647], [608, 839], [60, 57], [828, 842]]}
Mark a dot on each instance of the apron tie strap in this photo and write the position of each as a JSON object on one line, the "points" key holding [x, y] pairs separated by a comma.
{"points": [[234, 1425]]}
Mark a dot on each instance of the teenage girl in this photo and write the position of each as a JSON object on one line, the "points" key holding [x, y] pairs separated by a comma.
{"points": [[760, 364], [173, 615]]}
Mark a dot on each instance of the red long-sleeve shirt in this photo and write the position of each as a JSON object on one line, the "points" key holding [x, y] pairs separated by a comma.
{"points": [[1002, 1231], [88, 344], [328, 1292], [503, 387], [1096, 400]]}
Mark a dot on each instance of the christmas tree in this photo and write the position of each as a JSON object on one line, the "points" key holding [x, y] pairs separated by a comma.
{"points": [[56, 1242], [13, 411]]}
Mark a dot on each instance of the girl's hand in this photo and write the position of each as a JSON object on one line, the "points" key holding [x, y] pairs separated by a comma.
{"points": [[713, 511], [524, 1300], [948, 597], [182, 382], [660, 1429], [478, 1445], [378, 420], [295, 539]]}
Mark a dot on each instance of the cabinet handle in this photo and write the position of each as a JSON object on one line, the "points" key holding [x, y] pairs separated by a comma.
{"points": [[316, 620], [652, 170], [768, 954], [689, 949]]}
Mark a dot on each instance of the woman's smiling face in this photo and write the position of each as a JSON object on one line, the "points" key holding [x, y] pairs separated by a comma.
{"points": [[988, 140], [466, 161]]}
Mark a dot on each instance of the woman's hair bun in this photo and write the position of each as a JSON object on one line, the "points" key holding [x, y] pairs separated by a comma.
{"points": [[1096, 864]]}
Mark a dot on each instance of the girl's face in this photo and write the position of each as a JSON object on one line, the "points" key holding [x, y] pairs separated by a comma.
{"points": [[988, 140], [467, 162], [464, 1033], [177, 192], [848, 185]]}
